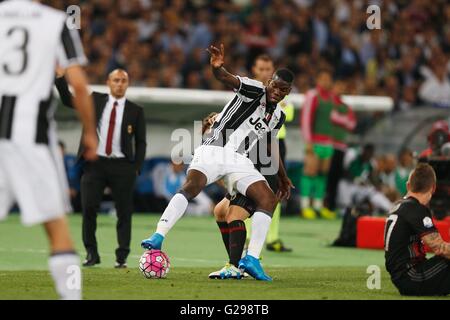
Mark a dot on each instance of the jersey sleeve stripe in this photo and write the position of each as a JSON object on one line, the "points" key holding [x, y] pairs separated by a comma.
{"points": [[72, 46], [68, 43]]}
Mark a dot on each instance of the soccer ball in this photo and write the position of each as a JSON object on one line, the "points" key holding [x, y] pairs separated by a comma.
{"points": [[154, 264]]}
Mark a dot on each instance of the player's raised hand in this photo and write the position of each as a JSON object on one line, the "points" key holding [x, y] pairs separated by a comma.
{"points": [[217, 55], [212, 119]]}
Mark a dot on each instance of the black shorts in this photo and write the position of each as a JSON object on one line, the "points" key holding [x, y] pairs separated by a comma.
{"points": [[247, 204], [429, 278]]}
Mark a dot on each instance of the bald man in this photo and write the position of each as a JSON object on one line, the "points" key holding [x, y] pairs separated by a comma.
{"points": [[121, 152]]}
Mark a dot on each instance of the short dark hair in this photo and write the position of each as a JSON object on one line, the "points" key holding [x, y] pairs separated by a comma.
{"points": [[422, 178], [264, 57], [285, 75]]}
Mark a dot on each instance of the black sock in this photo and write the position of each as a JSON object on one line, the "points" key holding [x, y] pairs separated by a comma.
{"points": [[238, 234], [223, 226]]}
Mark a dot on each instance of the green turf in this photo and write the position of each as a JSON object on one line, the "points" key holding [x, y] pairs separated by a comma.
{"points": [[312, 271]]}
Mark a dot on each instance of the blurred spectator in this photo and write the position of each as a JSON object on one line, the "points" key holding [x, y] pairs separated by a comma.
{"points": [[435, 89], [387, 177], [362, 166], [344, 122], [405, 166], [360, 185], [438, 136], [387, 170]]}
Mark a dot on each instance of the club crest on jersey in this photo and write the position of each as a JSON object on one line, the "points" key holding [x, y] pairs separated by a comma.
{"points": [[427, 222]]}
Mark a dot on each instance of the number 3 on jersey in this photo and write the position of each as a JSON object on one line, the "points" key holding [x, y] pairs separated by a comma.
{"points": [[390, 223], [20, 36]]}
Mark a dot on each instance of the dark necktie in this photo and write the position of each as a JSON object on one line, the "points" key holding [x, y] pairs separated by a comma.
{"points": [[112, 124]]}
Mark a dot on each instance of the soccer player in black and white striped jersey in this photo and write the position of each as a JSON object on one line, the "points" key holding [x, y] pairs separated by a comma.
{"points": [[248, 117], [34, 39]]}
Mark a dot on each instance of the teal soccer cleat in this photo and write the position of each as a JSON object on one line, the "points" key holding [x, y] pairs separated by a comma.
{"points": [[154, 242], [253, 267]]}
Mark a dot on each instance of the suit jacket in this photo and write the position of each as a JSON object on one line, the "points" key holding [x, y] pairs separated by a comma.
{"points": [[133, 123]]}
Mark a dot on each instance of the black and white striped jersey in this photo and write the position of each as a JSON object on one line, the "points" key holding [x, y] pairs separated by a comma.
{"points": [[245, 119], [33, 39]]}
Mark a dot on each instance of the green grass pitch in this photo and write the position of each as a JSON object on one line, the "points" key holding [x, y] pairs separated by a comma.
{"points": [[312, 271]]}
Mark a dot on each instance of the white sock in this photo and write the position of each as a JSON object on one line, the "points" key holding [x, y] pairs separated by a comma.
{"points": [[174, 211], [305, 202], [260, 227], [318, 204], [66, 273]]}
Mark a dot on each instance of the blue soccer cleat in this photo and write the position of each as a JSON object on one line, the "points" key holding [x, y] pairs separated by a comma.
{"points": [[154, 242], [253, 267]]}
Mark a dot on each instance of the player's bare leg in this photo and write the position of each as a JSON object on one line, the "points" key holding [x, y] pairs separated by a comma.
{"points": [[195, 182], [64, 263]]}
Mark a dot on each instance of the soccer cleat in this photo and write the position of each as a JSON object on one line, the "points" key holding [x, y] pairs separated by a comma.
{"points": [[326, 213], [227, 272], [154, 242], [253, 267], [277, 246], [309, 213]]}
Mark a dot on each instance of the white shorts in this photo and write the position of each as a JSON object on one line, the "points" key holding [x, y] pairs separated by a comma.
{"points": [[33, 176], [217, 162]]}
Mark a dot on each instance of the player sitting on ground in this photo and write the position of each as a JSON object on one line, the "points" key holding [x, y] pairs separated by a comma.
{"points": [[408, 227], [252, 113]]}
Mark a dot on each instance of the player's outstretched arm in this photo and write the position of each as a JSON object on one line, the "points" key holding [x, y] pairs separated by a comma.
{"points": [[63, 88], [221, 74], [437, 244], [85, 107]]}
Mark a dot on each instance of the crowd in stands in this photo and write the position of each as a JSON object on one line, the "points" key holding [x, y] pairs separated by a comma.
{"points": [[381, 177], [162, 42]]}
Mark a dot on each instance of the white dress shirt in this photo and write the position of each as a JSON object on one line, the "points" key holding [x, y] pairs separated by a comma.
{"points": [[102, 129]]}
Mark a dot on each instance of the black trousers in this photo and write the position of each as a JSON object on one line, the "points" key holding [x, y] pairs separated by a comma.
{"points": [[429, 278], [334, 175], [120, 176]]}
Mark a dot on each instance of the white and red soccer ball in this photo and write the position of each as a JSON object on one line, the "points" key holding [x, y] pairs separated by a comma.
{"points": [[154, 264]]}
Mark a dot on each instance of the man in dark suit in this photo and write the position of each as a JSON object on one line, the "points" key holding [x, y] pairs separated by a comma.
{"points": [[122, 142]]}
